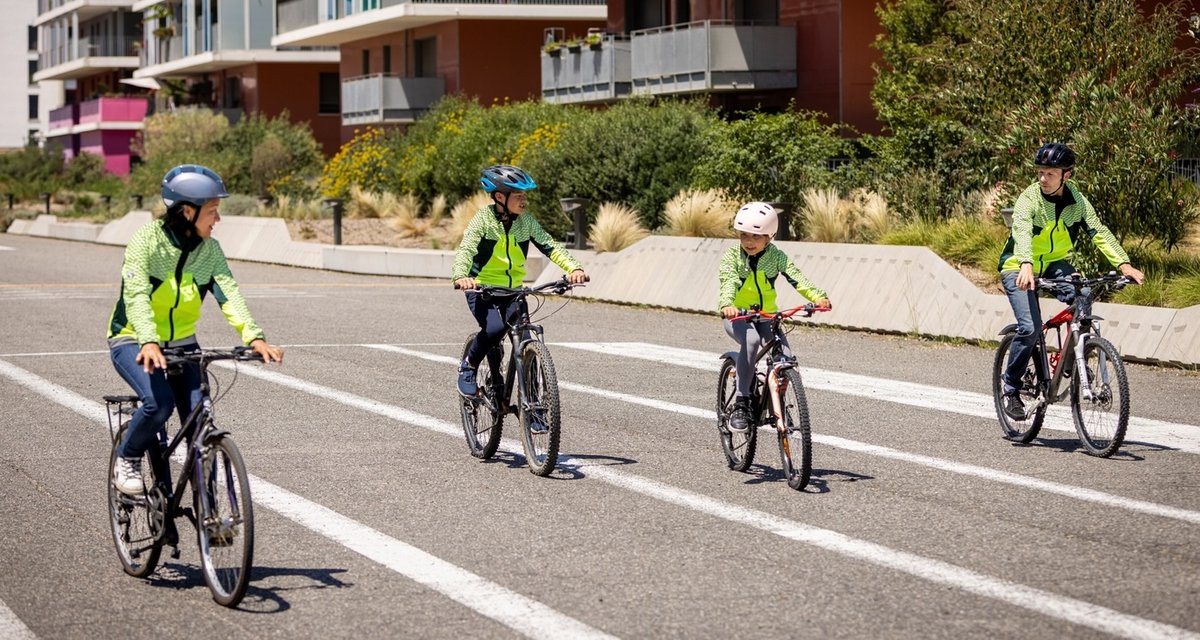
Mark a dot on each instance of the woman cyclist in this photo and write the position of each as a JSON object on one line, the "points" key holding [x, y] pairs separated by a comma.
{"points": [[170, 265]]}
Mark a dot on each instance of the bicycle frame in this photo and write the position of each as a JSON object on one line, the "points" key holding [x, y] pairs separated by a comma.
{"points": [[1080, 326]]}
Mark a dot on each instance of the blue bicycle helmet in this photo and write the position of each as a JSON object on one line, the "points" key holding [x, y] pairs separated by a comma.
{"points": [[193, 184], [506, 178], [1055, 156]]}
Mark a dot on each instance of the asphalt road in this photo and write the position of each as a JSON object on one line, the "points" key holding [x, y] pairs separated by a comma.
{"points": [[373, 521]]}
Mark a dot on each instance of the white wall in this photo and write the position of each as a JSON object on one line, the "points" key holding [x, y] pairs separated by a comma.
{"points": [[15, 88]]}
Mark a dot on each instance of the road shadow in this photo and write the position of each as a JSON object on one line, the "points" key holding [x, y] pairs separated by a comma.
{"points": [[818, 481], [563, 470], [258, 599], [1130, 450]]}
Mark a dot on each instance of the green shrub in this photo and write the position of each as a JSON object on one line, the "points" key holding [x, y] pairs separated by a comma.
{"points": [[1183, 290], [270, 156], [365, 162], [1151, 293], [241, 205], [31, 170]]}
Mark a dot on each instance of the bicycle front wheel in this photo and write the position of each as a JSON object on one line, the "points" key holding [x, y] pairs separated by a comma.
{"points": [[795, 436], [737, 445], [137, 521], [224, 521], [1018, 430], [482, 417], [540, 420], [1101, 407]]}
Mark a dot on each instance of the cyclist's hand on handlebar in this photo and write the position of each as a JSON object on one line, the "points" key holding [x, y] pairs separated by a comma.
{"points": [[824, 303], [577, 277], [466, 284], [730, 312], [151, 357], [269, 352], [1025, 281], [1128, 271]]}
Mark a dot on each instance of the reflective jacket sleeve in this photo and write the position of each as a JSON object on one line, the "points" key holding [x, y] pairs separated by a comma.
{"points": [[552, 248], [229, 297], [1022, 225], [464, 256], [729, 277], [806, 287], [136, 286], [1104, 239]]}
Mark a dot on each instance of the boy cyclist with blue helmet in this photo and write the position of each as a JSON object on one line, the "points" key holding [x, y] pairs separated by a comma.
{"points": [[747, 279], [1048, 218], [170, 265], [492, 252]]}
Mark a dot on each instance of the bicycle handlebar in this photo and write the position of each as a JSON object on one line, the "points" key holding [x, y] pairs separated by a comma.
{"points": [[560, 286], [179, 355], [1112, 279], [805, 311]]}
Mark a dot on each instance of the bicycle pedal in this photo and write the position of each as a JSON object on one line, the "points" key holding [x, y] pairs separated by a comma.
{"points": [[174, 552]]}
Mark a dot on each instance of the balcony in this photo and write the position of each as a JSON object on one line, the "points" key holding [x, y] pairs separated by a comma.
{"points": [[85, 9], [713, 56], [583, 74], [103, 111], [85, 56], [388, 99]]}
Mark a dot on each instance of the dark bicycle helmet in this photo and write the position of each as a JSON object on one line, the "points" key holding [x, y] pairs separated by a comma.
{"points": [[193, 184], [1055, 156], [506, 178]]}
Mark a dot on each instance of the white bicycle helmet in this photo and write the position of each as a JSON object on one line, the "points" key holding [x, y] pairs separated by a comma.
{"points": [[757, 217]]}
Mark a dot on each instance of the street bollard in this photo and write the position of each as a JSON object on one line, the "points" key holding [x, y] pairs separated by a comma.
{"points": [[577, 209], [46, 197], [107, 201], [1007, 214], [785, 220], [137, 198], [10, 200], [335, 205]]}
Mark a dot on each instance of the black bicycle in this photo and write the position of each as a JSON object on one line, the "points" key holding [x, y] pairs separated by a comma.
{"points": [[221, 509], [1099, 388], [531, 372], [776, 400]]}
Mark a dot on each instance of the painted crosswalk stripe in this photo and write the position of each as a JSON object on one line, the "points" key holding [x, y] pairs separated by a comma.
{"points": [[1173, 435], [994, 475], [1049, 604], [11, 627], [524, 615]]}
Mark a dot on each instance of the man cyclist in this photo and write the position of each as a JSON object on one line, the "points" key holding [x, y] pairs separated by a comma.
{"points": [[1048, 218], [493, 252], [170, 265]]}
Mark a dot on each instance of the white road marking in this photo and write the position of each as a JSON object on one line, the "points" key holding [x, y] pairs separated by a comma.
{"points": [[1184, 437], [994, 475], [4, 248], [11, 627], [1049, 604], [524, 615]]}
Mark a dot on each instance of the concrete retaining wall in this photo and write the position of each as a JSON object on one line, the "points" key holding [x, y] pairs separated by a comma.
{"points": [[882, 288]]}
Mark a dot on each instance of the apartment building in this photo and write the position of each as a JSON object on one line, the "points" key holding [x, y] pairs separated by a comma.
{"points": [[20, 99], [399, 57], [88, 45], [218, 54], [740, 54]]}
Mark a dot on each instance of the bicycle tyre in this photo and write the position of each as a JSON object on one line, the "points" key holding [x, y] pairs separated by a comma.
{"points": [[1022, 431], [795, 438], [539, 409], [737, 446], [482, 420], [224, 521], [134, 523], [1100, 438]]}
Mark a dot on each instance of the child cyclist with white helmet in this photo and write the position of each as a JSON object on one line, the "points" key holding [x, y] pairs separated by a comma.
{"points": [[747, 280], [493, 252]]}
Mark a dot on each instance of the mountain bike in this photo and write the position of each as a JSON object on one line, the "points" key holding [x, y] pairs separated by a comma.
{"points": [[531, 372], [776, 400], [1084, 366], [221, 510]]}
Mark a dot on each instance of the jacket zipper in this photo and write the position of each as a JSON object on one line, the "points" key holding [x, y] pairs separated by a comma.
{"points": [[754, 274], [1042, 258], [507, 254], [183, 254]]}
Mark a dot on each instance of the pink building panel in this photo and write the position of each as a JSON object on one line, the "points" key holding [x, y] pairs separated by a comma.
{"points": [[62, 117], [113, 110], [113, 146]]}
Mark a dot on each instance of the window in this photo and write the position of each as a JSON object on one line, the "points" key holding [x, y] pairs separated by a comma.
{"points": [[33, 107], [329, 94], [366, 62], [33, 38], [33, 64], [233, 93], [387, 59], [425, 58]]}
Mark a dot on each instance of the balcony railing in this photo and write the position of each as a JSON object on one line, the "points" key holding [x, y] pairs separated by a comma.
{"points": [[291, 15], [378, 98], [87, 48], [63, 117], [113, 110], [713, 56], [584, 74]]}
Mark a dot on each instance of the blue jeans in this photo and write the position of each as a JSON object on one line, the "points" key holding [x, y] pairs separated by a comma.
{"points": [[159, 394], [750, 342], [1029, 321], [491, 314]]}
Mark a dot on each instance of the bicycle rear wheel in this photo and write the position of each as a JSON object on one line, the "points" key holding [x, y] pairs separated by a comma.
{"points": [[538, 405], [1024, 430], [738, 446], [224, 520], [1101, 416], [137, 522], [482, 417], [795, 438]]}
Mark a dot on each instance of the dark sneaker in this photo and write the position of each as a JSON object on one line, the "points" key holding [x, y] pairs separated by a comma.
{"points": [[466, 382], [739, 420], [1013, 407]]}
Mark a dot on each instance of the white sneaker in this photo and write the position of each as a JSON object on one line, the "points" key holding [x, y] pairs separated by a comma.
{"points": [[128, 477]]}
